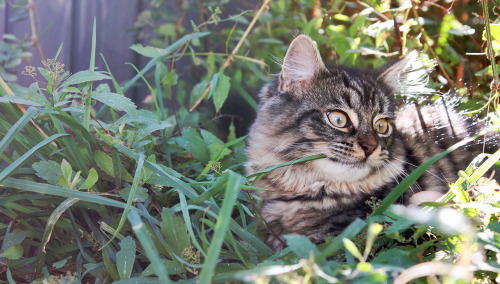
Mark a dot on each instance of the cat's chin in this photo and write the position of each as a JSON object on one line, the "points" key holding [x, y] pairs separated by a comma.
{"points": [[344, 172]]}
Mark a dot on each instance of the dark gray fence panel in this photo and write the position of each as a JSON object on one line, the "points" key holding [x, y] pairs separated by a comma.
{"points": [[69, 22]]}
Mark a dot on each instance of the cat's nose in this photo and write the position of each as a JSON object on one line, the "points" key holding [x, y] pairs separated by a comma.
{"points": [[368, 144]]}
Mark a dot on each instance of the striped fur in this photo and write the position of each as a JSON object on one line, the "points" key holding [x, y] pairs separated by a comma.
{"points": [[321, 197]]}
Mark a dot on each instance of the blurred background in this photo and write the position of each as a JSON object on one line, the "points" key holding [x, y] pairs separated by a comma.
{"points": [[364, 34]]}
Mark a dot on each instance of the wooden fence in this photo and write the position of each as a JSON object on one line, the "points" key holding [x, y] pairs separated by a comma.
{"points": [[69, 22]]}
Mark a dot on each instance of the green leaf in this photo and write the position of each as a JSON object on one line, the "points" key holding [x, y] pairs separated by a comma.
{"points": [[351, 247], [85, 76], [125, 257], [116, 101], [220, 89], [9, 277], [173, 47], [149, 51], [109, 265], [48, 170], [19, 100], [143, 235], [170, 79], [301, 246], [133, 189], [105, 162], [60, 264], [215, 146], [140, 195], [66, 169], [13, 252], [495, 32], [91, 179], [232, 189], [194, 145], [172, 268], [174, 232], [358, 23], [12, 238]]}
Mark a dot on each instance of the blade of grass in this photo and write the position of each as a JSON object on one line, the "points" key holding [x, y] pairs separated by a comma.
{"points": [[117, 165], [117, 86], [175, 182], [88, 97], [217, 187], [130, 198], [232, 190], [143, 235], [191, 193], [9, 136], [187, 221], [78, 129], [484, 167], [51, 222], [266, 170], [17, 163], [87, 257], [159, 93], [42, 188]]}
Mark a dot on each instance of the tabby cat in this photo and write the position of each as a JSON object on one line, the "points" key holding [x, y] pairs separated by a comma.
{"points": [[348, 115]]}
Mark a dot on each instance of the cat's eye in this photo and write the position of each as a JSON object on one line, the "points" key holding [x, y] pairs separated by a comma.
{"points": [[381, 126], [337, 118]]}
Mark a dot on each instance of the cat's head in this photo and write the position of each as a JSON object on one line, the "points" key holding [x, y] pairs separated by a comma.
{"points": [[344, 113]]}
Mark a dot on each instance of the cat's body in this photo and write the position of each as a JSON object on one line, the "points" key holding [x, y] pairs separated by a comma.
{"points": [[349, 116]]}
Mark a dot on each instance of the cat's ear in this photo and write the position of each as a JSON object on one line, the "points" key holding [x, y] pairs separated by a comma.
{"points": [[407, 75], [301, 64]]}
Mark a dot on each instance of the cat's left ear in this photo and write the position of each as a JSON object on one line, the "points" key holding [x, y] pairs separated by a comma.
{"points": [[301, 64], [408, 75]]}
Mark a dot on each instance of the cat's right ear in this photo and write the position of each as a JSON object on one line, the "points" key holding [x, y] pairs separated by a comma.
{"points": [[301, 64], [407, 75]]}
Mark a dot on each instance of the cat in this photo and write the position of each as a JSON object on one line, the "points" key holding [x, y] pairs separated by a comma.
{"points": [[348, 115]]}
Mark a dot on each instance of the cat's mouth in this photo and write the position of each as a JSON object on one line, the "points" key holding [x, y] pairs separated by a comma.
{"points": [[352, 163], [359, 163]]}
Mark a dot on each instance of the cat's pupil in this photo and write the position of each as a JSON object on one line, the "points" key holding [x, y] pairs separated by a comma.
{"points": [[381, 126], [338, 120]]}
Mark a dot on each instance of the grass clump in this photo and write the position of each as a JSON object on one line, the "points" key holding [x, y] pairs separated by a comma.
{"points": [[96, 190]]}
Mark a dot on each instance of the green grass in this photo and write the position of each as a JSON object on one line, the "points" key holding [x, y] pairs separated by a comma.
{"points": [[93, 186]]}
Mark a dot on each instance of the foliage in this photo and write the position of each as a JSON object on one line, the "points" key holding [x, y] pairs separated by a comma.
{"points": [[93, 186], [13, 50]]}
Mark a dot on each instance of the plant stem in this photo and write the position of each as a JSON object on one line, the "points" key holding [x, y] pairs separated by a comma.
{"points": [[491, 54], [34, 35]]}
